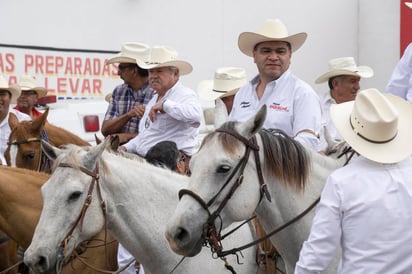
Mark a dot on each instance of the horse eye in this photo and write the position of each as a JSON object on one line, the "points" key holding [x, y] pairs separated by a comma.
{"points": [[29, 156], [74, 196], [223, 169]]}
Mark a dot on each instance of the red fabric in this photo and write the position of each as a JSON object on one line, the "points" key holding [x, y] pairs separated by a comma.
{"points": [[34, 111], [406, 26]]}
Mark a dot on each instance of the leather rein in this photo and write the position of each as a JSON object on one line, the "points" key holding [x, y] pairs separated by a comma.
{"points": [[210, 233]]}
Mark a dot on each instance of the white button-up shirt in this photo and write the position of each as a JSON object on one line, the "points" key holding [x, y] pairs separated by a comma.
{"points": [[5, 131], [327, 101], [367, 208], [400, 83], [292, 105], [179, 123]]}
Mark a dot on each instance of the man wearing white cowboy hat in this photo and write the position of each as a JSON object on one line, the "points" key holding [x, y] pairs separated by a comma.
{"points": [[365, 207], [7, 94], [174, 113], [292, 104], [225, 84], [343, 77], [30, 93], [128, 100], [400, 83]]}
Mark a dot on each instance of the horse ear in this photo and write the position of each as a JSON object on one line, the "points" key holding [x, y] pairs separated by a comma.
{"points": [[50, 151], [13, 121], [253, 125], [38, 124], [114, 142], [90, 159], [221, 115], [97, 139]]}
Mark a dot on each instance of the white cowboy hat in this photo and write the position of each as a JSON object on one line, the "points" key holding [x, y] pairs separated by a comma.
{"points": [[409, 4], [27, 82], [130, 52], [376, 125], [164, 56], [271, 30], [14, 90], [344, 66], [226, 82]]}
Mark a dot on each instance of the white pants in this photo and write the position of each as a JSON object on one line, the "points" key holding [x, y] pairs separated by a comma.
{"points": [[123, 258]]}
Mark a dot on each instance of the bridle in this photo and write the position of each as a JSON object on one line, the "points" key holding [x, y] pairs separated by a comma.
{"points": [[44, 161], [210, 233], [62, 259]]}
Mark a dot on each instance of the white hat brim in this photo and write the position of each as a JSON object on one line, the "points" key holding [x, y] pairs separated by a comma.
{"points": [[362, 71], [248, 40], [393, 151], [41, 92], [207, 93], [183, 66], [121, 59]]}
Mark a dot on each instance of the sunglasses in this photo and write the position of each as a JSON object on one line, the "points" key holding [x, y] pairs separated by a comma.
{"points": [[123, 67]]}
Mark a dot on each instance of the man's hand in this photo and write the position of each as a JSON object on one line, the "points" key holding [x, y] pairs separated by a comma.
{"points": [[157, 108], [137, 111]]}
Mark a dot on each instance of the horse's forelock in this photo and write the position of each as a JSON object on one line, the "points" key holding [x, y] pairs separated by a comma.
{"points": [[285, 159]]}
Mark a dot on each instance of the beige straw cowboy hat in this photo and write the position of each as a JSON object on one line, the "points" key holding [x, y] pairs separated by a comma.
{"points": [[344, 66], [226, 82], [164, 56], [376, 125], [271, 30], [130, 52], [14, 90], [27, 82]]}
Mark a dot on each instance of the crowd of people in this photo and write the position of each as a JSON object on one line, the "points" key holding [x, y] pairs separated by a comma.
{"points": [[364, 207]]}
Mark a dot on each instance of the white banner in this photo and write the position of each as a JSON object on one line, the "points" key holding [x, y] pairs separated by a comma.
{"points": [[65, 73]]}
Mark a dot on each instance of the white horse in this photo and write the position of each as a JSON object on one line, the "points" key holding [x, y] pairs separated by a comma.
{"points": [[225, 182], [139, 199]]}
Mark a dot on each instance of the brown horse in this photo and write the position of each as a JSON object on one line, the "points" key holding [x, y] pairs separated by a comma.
{"points": [[24, 148], [20, 207], [8, 253]]}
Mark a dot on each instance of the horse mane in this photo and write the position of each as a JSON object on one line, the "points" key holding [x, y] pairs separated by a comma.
{"points": [[284, 158]]}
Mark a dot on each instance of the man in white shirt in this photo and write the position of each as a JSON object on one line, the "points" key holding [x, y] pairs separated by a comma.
{"points": [[365, 207], [400, 83], [7, 94], [343, 77], [173, 114], [291, 103]]}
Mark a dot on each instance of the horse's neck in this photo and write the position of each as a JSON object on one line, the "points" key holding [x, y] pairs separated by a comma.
{"points": [[58, 136], [140, 200], [20, 203], [287, 204]]}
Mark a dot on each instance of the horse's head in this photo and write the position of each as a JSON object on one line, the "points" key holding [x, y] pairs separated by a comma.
{"points": [[216, 168], [71, 206], [24, 148]]}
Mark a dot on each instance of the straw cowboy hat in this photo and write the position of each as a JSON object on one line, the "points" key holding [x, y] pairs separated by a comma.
{"points": [[376, 125], [130, 52], [27, 82], [14, 90], [271, 30], [226, 82], [108, 97], [344, 66], [164, 56]]}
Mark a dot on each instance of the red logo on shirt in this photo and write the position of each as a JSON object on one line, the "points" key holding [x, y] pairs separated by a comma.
{"points": [[278, 107]]}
